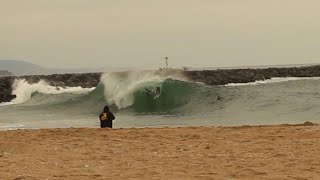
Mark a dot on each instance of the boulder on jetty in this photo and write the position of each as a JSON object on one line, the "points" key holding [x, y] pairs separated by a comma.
{"points": [[6, 89]]}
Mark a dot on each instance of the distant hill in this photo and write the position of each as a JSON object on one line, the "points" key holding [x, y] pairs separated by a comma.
{"points": [[18, 68], [22, 68]]}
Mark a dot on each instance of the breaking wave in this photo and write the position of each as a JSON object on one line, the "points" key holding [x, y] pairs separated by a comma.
{"points": [[24, 91]]}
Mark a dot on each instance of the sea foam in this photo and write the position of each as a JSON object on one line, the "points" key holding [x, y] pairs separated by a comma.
{"points": [[24, 90], [273, 80]]}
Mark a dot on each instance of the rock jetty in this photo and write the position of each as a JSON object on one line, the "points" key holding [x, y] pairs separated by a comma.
{"points": [[225, 76]]}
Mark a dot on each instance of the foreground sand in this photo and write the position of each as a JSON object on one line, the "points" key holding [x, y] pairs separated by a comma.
{"points": [[261, 152]]}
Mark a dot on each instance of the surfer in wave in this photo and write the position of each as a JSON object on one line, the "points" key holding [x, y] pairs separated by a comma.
{"points": [[156, 92]]}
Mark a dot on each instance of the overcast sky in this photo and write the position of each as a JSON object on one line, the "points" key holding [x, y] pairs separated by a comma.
{"points": [[196, 33]]}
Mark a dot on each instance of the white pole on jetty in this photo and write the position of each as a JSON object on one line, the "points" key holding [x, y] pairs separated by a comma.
{"points": [[166, 62]]}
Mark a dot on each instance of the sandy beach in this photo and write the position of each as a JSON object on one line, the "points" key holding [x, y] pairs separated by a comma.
{"points": [[246, 152]]}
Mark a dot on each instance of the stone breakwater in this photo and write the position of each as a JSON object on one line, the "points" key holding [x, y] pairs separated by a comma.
{"points": [[209, 77], [221, 77]]}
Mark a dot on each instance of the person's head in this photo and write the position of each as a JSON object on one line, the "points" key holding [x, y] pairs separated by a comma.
{"points": [[106, 109]]}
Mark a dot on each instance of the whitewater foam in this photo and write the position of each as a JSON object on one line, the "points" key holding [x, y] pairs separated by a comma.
{"points": [[273, 80], [23, 90]]}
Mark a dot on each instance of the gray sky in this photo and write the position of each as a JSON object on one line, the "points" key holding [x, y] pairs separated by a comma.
{"points": [[197, 33]]}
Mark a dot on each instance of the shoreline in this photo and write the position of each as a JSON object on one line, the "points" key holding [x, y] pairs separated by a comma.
{"points": [[236, 152], [16, 128]]}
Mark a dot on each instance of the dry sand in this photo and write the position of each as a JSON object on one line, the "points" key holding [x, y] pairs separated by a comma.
{"points": [[247, 152]]}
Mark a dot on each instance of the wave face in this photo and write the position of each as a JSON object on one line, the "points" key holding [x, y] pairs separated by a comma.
{"points": [[275, 101]]}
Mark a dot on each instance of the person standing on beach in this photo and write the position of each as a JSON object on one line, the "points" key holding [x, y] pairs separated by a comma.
{"points": [[106, 118]]}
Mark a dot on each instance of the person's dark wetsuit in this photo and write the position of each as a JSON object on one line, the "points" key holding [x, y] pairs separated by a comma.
{"points": [[106, 118], [157, 91]]}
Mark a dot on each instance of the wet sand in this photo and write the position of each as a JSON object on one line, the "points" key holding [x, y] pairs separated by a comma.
{"points": [[246, 152]]}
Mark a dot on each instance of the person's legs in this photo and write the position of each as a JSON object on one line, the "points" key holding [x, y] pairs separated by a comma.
{"points": [[109, 123], [103, 124]]}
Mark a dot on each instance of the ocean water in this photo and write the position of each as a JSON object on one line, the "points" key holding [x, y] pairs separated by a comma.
{"points": [[181, 103]]}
